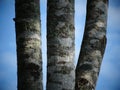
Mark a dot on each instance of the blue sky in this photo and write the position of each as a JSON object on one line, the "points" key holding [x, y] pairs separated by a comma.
{"points": [[109, 78]]}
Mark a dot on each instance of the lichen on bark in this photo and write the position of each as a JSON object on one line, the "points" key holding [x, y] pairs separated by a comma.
{"points": [[60, 45], [93, 45], [28, 40]]}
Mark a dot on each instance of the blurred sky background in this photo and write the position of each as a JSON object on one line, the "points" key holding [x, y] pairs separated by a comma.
{"points": [[109, 78]]}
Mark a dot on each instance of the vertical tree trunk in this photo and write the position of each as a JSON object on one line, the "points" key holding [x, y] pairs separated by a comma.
{"points": [[29, 61], [93, 45], [60, 45]]}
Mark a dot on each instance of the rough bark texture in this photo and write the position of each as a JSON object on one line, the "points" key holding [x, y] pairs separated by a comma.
{"points": [[93, 45], [60, 45], [29, 62]]}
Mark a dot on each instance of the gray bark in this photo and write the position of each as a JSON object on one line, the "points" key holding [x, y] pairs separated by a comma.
{"points": [[93, 45], [28, 40], [60, 45]]}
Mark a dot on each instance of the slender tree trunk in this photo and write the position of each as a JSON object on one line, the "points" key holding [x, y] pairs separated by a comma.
{"points": [[60, 45], [29, 62], [93, 45]]}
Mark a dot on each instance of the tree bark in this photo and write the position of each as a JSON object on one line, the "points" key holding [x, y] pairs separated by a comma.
{"points": [[28, 40], [93, 45], [60, 45]]}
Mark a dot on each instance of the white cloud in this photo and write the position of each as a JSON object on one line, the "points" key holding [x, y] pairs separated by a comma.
{"points": [[8, 70], [114, 17], [43, 35], [110, 65], [113, 36], [9, 59], [80, 11], [44, 59], [110, 71], [80, 8], [78, 39]]}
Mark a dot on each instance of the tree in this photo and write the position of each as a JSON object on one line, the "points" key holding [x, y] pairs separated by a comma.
{"points": [[29, 62], [60, 45], [93, 45]]}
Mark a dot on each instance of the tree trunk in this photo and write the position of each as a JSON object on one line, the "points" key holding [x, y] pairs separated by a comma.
{"points": [[60, 45], [93, 45], [29, 61]]}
